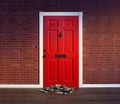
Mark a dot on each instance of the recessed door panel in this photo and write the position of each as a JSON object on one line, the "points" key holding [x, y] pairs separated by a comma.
{"points": [[68, 70], [68, 40], [52, 35], [53, 72]]}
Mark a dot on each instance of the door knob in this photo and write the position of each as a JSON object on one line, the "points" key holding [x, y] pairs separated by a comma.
{"points": [[44, 56]]}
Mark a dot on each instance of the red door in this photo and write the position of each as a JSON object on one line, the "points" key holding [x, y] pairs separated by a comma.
{"points": [[60, 50]]}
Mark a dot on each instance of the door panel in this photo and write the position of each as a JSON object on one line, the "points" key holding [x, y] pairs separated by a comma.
{"points": [[53, 23], [68, 41], [61, 39], [53, 65], [52, 40], [68, 70], [67, 23]]}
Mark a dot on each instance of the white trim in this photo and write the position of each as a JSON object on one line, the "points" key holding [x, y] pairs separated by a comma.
{"points": [[41, 49], [19, 86], [60, 13], [80, 50], [101, 85], [41, 14]]}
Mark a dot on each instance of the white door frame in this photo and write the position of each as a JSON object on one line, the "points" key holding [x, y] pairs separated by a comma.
{"points": [[41, 14]]}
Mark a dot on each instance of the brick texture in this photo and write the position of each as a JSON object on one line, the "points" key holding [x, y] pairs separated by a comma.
{"points": [[101, 42], [19, 39]]}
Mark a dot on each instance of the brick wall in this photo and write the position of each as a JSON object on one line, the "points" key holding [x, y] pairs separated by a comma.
{"points": [[101, 46], [19, 39]]}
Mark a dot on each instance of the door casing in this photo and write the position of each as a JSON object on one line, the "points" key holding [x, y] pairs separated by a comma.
{"points": [[79, 14]]}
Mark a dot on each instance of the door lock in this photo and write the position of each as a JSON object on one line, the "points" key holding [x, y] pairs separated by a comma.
{"points": [[44, 50]]}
